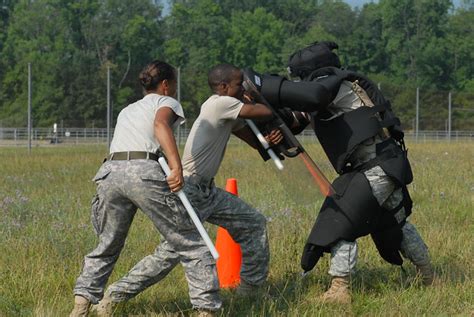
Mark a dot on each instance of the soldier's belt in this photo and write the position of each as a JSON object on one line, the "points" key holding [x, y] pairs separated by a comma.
{"points": [[133, 155]]}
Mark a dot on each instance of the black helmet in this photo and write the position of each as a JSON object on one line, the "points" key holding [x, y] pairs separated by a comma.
{"points": [[319, 54]]}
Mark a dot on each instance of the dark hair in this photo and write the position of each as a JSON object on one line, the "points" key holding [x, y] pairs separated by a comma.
{"points": [[222, 73], [154, 73]]}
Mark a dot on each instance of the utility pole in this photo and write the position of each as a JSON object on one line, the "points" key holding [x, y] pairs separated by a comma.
{"points": [[108, 107], [449, 117], [417, 120], [179, 100], [29, 108]]}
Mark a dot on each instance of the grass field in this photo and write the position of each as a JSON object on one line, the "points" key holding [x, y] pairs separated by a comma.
{"points": [[45, 232]]}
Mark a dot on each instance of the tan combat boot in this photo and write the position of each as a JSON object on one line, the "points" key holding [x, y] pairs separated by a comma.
{"points": [[105, 307], [204, 313], [339, 292], [426, 273], [81, 307]]}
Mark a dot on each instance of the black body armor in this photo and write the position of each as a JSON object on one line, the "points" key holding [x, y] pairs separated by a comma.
{"points": [[353, 211]]}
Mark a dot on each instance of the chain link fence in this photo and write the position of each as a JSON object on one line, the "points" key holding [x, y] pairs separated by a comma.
{"points": [[83, 136]]}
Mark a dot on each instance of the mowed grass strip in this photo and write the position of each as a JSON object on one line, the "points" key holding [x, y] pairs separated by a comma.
{"points": [[45, 231]]}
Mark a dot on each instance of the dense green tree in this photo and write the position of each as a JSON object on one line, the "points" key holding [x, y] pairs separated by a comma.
{"points": [[365, 48], [298, 41], [6, 9], [412, 28], [460, 42], [400, 44], [70, 44], [196, 35], [297, 14], [255, 39]]}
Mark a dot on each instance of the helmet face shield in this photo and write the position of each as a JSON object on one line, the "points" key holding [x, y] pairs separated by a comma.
{"points": [[318, 55]]}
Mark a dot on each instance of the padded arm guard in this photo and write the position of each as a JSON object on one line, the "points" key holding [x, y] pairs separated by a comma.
{"points": [[308, 96]]}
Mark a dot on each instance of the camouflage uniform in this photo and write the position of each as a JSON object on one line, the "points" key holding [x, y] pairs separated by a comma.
{"points": [[244, 223], [344, 253], [122, 187]]}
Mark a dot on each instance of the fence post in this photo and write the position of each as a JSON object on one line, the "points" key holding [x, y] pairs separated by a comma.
{"points": [[449, 117], [417, 112]]}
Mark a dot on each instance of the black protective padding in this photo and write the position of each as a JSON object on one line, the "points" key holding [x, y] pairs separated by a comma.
{"points": [[389, 236], [352, 213], [349, 214], [378, 99], [340, 135], [398, 166], [388, 244], [271, 89], [309, 96], [310, 257]]}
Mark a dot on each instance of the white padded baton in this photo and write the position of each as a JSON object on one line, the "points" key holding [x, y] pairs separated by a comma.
{"points": [[191, 212]]}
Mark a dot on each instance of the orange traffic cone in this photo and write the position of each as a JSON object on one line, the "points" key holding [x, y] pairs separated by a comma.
{"points": [[230, 255]]}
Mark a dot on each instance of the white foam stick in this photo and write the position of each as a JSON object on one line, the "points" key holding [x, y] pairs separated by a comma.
{"points": [[191, 212], [265, 144]]}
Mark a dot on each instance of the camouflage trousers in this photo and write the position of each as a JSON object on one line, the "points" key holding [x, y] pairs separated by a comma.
{"points": [[245, 224], [344, 253], [122, 187]]}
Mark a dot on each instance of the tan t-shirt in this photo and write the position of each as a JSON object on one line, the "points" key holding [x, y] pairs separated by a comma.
{"points": [[207, 141], [135, 129]]}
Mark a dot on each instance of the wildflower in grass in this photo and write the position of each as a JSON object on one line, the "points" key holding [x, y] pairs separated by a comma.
{"points": [[8, 200]]}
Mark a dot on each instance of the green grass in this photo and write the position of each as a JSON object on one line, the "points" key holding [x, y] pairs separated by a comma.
{"points": [[45, 232]]}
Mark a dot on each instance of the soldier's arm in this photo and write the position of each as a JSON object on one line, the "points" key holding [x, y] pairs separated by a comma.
{"points": [[256, 111], [164, 119], [246, 135]]}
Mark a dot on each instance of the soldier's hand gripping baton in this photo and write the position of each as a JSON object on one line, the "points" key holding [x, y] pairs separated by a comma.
{"points": [[265, 144], [293, 146], [191, 212]]}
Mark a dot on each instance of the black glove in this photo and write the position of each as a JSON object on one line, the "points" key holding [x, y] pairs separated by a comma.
{"points": [[311, 255], [297, 121], [396, 132]]}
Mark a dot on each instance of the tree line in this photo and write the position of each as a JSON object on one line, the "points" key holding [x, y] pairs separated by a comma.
{"points": [[401, 44]]}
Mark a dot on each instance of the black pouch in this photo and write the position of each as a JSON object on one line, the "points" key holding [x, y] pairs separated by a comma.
{"points": [[397, 165]]}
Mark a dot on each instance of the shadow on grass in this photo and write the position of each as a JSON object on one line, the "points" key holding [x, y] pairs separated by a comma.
{"points": [[155, 307], [276, 296], [282, 295], [373, 279]]}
